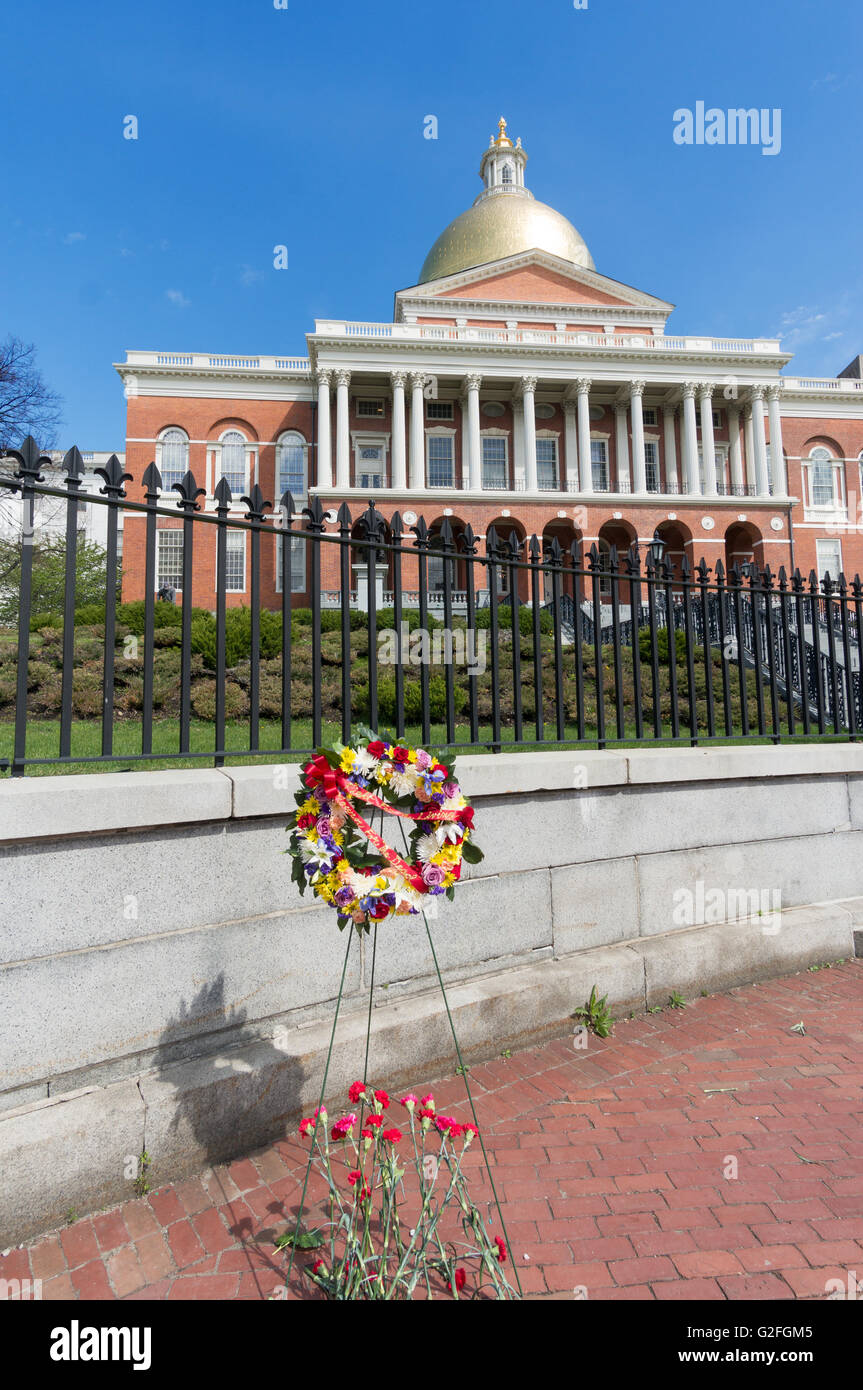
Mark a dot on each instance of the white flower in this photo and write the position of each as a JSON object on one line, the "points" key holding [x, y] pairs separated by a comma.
{"points": [[404, 783], [315, 853], [365, 763], [426, 847], [449, 830]]}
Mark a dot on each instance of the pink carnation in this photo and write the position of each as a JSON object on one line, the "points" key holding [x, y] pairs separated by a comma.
{"points": [[409, 1100]]}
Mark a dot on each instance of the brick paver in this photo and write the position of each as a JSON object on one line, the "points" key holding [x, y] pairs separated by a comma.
{"points": [[706, 1153]]}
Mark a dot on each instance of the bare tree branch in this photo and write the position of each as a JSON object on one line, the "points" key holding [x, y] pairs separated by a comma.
{"points": [[27, 404]]}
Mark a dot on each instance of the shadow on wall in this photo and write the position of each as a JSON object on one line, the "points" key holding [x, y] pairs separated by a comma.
{"points": [[226, 1101]]}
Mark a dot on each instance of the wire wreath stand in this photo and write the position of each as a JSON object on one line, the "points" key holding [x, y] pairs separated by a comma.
{"points": [[367, 1286]]}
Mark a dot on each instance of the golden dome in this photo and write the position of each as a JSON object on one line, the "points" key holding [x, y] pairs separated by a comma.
{"points": [[499, 226]]}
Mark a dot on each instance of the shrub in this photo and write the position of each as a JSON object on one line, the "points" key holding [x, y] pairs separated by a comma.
{"points": [[360, 699], [525, 619], [645, 648], [38, 621], [204, 700]]}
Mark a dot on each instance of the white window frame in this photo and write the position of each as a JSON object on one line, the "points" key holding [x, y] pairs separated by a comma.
{"points": [[298, 565], [174, 531], [440, 434], [249, 454], [231, 537], [652, 445], [821, 567], [649, 415], [161, 441], [361, 466], [376, 414], [549, 437], [837, 500], [292, 439], [498, 436], [599, 442]]}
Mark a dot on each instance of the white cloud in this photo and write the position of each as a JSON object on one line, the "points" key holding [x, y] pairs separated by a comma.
{"points": [[177, 297], [248, 276], [71, 237]]}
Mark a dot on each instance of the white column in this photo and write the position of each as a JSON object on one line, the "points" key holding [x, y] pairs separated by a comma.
{"points": [[749, 442], [621, 446], [400, 477], [324, 477], [585, 465], [692, 480], [735, 457], [464, 480], [762, 481], [528, 387], [639, 462], [777, 456], [708, 441], [474, 440], [343, 430], [571, 445], [418, 442], [671, 481], [518, 440]]}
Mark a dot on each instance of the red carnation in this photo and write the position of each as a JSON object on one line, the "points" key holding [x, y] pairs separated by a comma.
{"points": [[364, 1195], [368, 1133], [354, 1177], [318, 1264], [501, 1249], [379, 912], [304, 821], [358, 1089], [460, 1280], [377, 749], [392, 1136], [383, 1099], [376, 1120]]}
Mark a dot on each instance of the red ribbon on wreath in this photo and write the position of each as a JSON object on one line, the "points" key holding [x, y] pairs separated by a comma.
{"points": [[319, 772]]}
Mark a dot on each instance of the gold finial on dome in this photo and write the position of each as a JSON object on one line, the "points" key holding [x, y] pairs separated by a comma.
{"points": [[503, 138]]}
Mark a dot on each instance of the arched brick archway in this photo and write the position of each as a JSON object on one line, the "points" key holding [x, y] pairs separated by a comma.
{"points": [[566, 534], [743, 542], [504, 527], [678, 543]]}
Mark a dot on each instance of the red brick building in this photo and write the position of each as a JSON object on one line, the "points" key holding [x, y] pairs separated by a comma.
{"points": [[514, 386]]}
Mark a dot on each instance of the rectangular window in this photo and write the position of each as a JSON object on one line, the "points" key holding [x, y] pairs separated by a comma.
{"points": [[599, 463], [439, 410], [828, 555], [546, 464], [440, 460], [374, 409], [494, 469], [370, 466], [169, 559], [291, 459], [651, 459], [235, 562], [649, 415], [298, 565]]}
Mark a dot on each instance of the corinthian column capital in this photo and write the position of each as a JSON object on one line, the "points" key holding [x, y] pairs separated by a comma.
{"points": [[527, 385], [636, 388], [473, 382], [324, 376], [343, 377], [398, 378]]}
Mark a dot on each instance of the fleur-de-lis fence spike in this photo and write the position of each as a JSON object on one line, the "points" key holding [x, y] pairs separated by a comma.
{"points": [[152, 481], [469, 541], [73, 467], [396, 528], [593, 557], [857, 587], [719, 572], [256, 504], [703, 570], [421, 532], [114, 478], [344, 519], [555, 554], [224, 497], [446, 534], [797, 581], [315, 513], [515, 544], [814, 586], [534, 549], [633, 560], [189, 493], [373, 522], [685, 569], [29, 460]]}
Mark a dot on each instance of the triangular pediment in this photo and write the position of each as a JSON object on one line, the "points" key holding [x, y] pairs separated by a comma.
{"points": [[532, 279]]}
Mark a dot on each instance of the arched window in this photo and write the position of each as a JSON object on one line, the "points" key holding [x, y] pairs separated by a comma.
{"points": [[506, 176], [822, 486], [172, 457], [233, 461], [291, 465]]}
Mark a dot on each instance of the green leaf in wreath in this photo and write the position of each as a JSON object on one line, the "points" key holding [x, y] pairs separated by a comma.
{"points": [[471, 852]]}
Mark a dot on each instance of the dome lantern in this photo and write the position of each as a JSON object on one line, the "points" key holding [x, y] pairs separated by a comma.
{"points": [[505, 219]]}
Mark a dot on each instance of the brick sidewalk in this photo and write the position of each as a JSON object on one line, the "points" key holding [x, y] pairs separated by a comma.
{"points": [[610, 1163]]}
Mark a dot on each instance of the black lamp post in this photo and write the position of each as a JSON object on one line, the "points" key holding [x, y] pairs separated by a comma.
{"points": [[658, 548]]}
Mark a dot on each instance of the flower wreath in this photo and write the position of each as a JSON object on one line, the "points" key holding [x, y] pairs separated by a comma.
{"points": [[347, 863]]}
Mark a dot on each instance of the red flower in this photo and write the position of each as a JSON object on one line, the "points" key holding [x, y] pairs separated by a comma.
{"points": [[460, 1280], [354, 1177], [358, 1089], [426, 1114], [376, 1120], [379, 912], [364, 1195], [318, 1264], [377, 749], [470, 1129], [465, 815], [447, 1125], [501, 1249], [306, 1127], [304, 821], [368, 1133], [383, 1099], [400, 755], [392, 1136]]}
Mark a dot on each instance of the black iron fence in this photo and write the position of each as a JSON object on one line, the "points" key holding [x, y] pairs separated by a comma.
{"points": [[489, 643]]}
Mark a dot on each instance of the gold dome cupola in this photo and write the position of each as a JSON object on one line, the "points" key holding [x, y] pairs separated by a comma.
{"points": [[505, 219]]}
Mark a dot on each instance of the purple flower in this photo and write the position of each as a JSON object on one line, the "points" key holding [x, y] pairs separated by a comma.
{"points": [[434, 875], [324, 827], [451, 789], [423, 759], [344, 896]]}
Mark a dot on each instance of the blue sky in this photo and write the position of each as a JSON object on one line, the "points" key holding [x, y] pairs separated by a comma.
{"points": [[303, 126]]}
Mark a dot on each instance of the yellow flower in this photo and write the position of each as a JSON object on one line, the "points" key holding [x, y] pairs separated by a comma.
{"points": [[309, 807], [347, 760], [449, 881], [412, 755], [311, 834], [380, 882]]}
